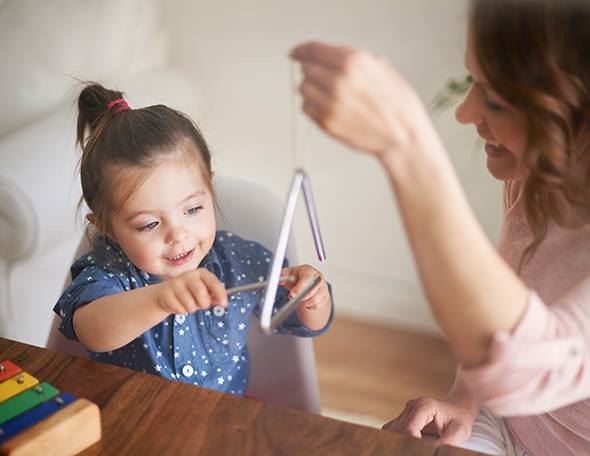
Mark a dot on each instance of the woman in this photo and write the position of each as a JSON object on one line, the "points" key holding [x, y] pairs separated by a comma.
{"points": [[516, 320]]}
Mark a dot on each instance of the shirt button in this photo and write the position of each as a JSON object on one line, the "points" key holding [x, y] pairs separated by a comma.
{"points": [[218, 311], [180, 318], [187, 370]]}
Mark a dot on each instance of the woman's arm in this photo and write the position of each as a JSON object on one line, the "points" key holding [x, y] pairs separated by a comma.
{"points": [[360, 100], [472, 291]]}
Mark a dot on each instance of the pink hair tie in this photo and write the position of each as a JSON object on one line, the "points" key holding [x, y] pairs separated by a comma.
{"points": [[119, 104]]}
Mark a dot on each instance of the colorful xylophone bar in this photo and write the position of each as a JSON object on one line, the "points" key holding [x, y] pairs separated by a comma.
{"points": [[35, 418]]}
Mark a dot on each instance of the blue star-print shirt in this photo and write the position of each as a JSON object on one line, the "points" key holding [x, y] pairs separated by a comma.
{"points": [[207, 348]]}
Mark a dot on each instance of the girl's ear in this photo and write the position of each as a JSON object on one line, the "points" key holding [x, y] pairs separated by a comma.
{"points": [[92, 220]]}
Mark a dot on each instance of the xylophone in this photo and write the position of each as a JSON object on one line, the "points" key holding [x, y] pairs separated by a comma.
{"points": [[37, 419]]}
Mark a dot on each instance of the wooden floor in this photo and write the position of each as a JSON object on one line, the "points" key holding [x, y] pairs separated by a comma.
{"points": [[366, 369]]}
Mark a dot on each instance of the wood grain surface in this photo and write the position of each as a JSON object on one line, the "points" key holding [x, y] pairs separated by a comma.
{"points": [[146, 415]]}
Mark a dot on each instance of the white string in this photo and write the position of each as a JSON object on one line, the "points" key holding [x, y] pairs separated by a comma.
{"points": [[299, 149], [294, 103]]}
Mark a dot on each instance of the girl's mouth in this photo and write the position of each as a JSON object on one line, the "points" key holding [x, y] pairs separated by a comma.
{"points": [[181, 258]]}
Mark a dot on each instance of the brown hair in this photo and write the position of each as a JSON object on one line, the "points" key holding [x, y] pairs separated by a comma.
{"points": [[116, 138], [535, 54]]}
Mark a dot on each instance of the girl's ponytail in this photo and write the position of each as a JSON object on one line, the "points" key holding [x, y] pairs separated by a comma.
{"points": [[96, 105]]}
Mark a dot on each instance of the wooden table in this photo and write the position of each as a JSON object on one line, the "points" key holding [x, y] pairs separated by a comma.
{"points": [[143, 415]]}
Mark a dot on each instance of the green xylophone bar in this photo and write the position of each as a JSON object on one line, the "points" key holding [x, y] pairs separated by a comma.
{"points": [[26, 400]]}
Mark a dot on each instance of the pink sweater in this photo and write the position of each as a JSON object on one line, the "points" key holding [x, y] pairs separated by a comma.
{"points": [[538, 375]]}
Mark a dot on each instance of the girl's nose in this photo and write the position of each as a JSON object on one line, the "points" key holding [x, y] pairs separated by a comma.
{"points": [[176, 234]]}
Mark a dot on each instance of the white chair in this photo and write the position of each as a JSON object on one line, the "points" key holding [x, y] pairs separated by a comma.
{"points": [[282, 366]]}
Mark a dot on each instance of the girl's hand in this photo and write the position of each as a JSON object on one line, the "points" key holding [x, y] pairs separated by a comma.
{"points": [[314, 309], [358, 98], [452, 422], [191, 291]]}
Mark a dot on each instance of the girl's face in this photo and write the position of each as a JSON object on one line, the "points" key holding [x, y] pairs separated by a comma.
{"points": [[167, 225], [498, 123]]}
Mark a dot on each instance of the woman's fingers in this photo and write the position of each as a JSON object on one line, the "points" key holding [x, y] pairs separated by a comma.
{"points": [[414, 419], [454, 433], [398, 423], [421, 417], [319, 75], [320, 53], [358, 98]]}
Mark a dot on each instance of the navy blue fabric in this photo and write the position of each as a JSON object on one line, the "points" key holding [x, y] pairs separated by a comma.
{"points": [[206, 348]]}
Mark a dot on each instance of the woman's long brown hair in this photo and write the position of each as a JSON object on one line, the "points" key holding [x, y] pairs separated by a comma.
{"points": [[536, 55]]}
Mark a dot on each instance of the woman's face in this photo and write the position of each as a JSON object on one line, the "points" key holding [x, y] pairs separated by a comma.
{"points": [[497, 122]]}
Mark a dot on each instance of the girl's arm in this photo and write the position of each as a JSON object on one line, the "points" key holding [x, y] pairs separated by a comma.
{"points": [[360, 100], [113, 321], [314, 311]]}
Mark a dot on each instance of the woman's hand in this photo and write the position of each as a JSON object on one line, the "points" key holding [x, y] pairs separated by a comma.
{"points": [[359, 99], [450, 421], [314, 309], [191, 291]]}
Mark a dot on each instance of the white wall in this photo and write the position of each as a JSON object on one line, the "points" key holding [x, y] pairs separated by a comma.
{"points": [[228, 67], [237, 52]]}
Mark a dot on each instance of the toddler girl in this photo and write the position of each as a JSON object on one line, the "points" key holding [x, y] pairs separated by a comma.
{"points": [[151, 294]]}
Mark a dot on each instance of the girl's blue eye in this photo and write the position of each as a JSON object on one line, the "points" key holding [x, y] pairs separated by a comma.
{"points": [[194, 210], [148, 227]]}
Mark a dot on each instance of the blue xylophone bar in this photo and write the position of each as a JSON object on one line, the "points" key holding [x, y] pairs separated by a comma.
{"points": [[24, 421]]}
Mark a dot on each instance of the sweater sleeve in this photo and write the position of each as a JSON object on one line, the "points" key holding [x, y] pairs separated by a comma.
{"points": [[543, 363]]}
